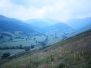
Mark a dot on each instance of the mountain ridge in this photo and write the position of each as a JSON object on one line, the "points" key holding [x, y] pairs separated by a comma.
{"points": [[11, 24], [79, 23]]}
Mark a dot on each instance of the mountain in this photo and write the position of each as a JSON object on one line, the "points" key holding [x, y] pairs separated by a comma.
{"points": [[74, 52], [11, 25], [59, 26], [86, 27], [50, 21], [41, 23], [79, 23], [37, 23]]}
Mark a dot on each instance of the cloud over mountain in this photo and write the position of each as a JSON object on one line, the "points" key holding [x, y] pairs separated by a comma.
{"points": [[60, 9]]}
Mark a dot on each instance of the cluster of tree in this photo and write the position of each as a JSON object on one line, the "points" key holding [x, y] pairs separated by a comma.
{"points": [[64, 37], [34, 39], [1, 37], [27, 48], [16, 47], [12, 47], [56, 37], [7, 34], [44, 42], [5, 55], [19, 37]]}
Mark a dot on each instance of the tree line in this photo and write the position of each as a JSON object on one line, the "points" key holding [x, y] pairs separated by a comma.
{"points": [[16, 47]]}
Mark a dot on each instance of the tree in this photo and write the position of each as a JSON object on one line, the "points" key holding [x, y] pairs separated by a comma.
{"points": [[11, 39], [43, 44], [5, 55], [27, 48], [64, 37], [13, 47], [34, 39], [1, 37], [20, 46], [32, 46], [17, 47]]}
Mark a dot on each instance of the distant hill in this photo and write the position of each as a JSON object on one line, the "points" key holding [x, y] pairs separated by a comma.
{"points": [[37, 23], [11, 25], [47, 24], [41, 23], [79, 23], [50, 21], [87, 27], [59, 26]]}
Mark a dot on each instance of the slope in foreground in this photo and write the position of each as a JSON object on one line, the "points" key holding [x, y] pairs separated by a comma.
{"points": [[74, 52]]}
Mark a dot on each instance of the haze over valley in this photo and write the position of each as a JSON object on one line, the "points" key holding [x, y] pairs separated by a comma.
{"points": [[36, 33], [45, 34]]}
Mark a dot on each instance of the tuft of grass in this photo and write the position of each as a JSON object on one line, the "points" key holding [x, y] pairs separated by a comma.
{"points": [[62, 65], [33, 64]]}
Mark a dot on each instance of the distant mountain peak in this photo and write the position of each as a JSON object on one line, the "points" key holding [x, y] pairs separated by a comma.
{"points": [[42, 22]]}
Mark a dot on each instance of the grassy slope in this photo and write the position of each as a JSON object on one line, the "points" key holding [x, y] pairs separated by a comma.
{"points": [[74, 52]]}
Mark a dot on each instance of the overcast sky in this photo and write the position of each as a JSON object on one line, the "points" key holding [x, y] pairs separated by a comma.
{"points": [[55, 9]]}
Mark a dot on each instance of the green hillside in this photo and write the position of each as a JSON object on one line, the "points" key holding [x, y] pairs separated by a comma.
{"points": [[75, 52]]}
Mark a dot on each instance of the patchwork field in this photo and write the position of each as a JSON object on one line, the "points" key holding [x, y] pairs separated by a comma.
{"points": [[13, 40]]}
